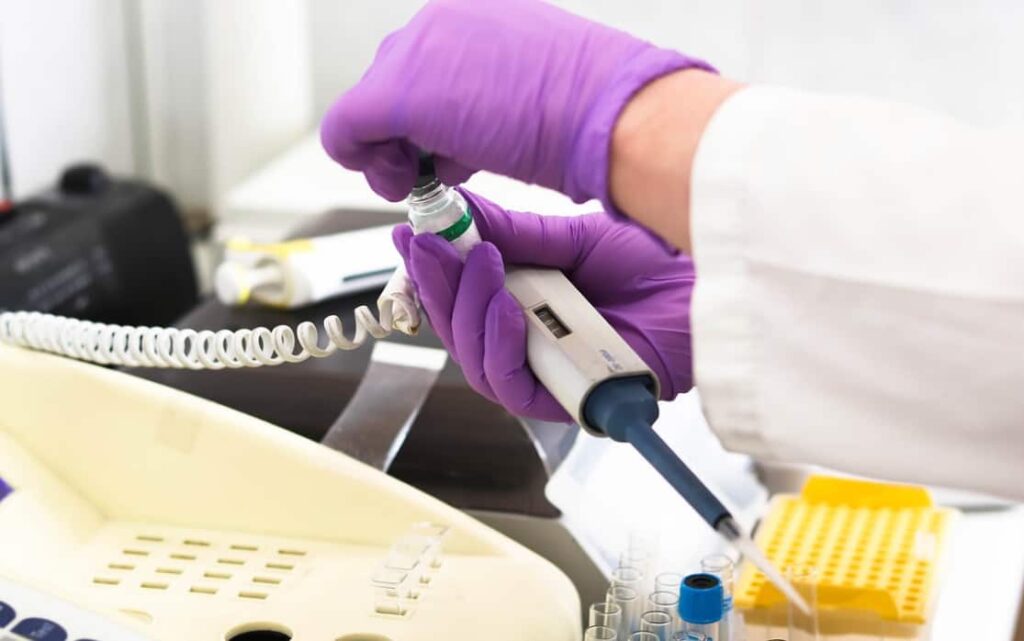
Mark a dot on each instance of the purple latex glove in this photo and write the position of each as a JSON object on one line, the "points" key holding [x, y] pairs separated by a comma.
{"points": [[517, 87], [637, 283]]}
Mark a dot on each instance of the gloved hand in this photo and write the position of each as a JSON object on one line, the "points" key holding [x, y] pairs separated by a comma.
{"points": [[517, 87], [637, 283]]}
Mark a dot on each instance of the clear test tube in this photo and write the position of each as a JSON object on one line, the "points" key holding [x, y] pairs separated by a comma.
{"points": [[639, 558], [668, 582], [642, 541], [659, 623], [629, 577], [628, 600], [723, 567], [803, 626], [644, 636], [600, 633], [663, 601], [667, 602], [605, 614]]}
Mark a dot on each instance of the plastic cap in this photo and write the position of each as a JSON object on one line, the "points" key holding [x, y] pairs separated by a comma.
{"points": [[701, 599]]}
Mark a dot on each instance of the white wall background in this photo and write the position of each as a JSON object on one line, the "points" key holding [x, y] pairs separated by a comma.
{"points": [[226, 86], [344, 36], [173, 98], [258, 83], [65, 87], [69, 94], [959, 56]]}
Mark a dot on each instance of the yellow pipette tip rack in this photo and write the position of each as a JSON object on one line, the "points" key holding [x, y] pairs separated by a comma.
{"points": [[876, 548]]}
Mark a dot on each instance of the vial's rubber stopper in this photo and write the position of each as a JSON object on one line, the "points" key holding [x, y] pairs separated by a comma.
{"points": [[426, 174]]}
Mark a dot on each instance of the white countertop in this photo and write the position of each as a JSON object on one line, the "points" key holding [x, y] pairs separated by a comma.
{"points": [[982, 589]]}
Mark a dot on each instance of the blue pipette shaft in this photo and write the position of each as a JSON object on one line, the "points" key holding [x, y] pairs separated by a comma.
{"points": [[651, 446]]}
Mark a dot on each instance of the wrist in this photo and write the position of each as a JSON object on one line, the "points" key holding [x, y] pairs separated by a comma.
{"points": [[653, 145], [588, 163]]}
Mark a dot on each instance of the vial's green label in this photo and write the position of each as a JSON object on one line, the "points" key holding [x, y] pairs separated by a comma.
{"points": [[458, 228]]}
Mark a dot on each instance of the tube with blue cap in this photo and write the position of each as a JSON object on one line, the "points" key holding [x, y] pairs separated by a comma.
{"points": [[700, 607]]}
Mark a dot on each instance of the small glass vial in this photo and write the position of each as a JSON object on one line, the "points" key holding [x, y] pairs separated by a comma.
{"points": [[438, 209]]}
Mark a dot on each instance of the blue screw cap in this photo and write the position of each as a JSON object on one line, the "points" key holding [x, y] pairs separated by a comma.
{"points": [[701, 599]]}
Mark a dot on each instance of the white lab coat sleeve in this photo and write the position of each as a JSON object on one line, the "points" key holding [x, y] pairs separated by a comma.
{"points": [[860, 288]]}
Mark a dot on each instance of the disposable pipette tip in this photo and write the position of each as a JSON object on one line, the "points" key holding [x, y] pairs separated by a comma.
{"points": [[731, 530]]}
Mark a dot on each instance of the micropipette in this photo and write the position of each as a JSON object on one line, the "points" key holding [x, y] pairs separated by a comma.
{"points": [[594, 374], [603, 384]]}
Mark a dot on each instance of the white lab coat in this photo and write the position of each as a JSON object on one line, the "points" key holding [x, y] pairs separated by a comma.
{"points": [[860, 288]]}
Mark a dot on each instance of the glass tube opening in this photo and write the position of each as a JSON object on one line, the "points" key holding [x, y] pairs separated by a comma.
{"points": [[606, 614], [668, 582], [629, 600], [600, 633], [718, 564], [661, 624], [663, 601], [630, 577]]}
